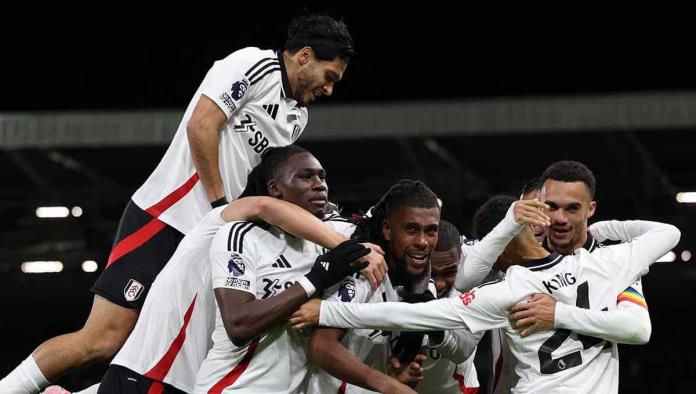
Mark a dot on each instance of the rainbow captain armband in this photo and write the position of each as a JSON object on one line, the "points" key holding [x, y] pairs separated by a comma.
{"points": [[632, 295]]}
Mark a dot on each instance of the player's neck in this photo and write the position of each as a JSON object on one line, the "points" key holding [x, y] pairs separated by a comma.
{"points": [[524, 248]]}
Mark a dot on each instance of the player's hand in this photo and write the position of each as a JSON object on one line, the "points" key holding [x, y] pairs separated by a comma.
{"points": [[407, 373], [334, 265], [307, 315], [533, 315], [377, 267], [531, 212]]}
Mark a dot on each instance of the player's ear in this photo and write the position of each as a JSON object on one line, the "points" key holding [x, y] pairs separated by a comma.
{"points": [[591, 210], [274, 189], [386, 230], [304, 55]]}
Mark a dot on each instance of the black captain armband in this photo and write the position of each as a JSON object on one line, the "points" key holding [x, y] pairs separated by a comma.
{"points": [[219, 202]]}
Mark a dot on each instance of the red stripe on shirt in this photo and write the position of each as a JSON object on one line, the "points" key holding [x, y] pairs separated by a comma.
{"points": [[342, 387], [161, 369], [236, 372], [462, 387], [173, 197]]}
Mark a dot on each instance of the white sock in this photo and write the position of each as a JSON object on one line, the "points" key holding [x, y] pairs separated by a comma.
{"points": [[25, 379], [90, 390]]}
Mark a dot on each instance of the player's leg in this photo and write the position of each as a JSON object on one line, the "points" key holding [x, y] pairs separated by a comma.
{"points": [[107, 327]]}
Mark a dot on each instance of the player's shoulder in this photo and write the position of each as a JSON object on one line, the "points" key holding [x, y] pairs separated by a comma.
{"points": [[235, 235], [339, 223], [246, 60]]}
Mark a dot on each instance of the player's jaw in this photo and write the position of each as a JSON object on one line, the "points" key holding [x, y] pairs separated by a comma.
{"points": [[416, 259], [561, 238]]}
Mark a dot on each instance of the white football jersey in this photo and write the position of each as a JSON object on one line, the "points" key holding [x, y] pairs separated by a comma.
{"points": [[264, 262], [172, 335], [251, 87], [550, 361]]}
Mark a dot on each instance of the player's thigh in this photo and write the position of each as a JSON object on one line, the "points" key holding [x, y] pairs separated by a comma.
{"points": [[109, 324]]}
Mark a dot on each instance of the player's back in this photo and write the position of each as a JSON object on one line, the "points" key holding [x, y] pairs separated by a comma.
{"points": [[561, 360], [247, 86], [172, 335]]}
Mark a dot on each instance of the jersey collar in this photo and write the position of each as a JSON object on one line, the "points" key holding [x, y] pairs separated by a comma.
{"points": [[543, 263], [285, 91]]}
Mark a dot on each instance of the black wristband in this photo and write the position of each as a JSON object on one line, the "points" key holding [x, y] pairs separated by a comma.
{"points": [[219, 202]]}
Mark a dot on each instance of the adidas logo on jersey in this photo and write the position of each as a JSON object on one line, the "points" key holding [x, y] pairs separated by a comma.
{"points": [[271, 109], [282, 262], [325, 264]]}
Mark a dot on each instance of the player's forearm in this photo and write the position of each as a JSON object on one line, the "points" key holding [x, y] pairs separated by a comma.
{"points": [[288, 216], [203, 139], [427, 316], [252, 318], [458, 345], [629, 325], [330, 355], [484, 254]]}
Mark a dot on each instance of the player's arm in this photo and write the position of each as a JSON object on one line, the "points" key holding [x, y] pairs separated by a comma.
{"points": [[326, 351], [290, 217], [648, 242], [203, 130], [483, 308], [244, 316], [302, 224], [629, 323], [481, 257], [455, 345]]}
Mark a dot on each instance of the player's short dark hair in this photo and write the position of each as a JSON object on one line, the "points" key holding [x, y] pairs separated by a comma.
{"points": [[448, 237], [328, 37], [272, 159], [531, 185], [490, 214], [571, 171], [405, 193]]}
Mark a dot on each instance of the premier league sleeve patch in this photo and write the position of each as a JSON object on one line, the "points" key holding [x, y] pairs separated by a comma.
{"points": [[236, 265], [238, 89], [346, 292]]}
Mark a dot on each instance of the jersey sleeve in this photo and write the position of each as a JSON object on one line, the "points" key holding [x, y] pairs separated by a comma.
{"points": [[234, 258], [227, 82], [626, 262], [479, 259], [433, 315]]}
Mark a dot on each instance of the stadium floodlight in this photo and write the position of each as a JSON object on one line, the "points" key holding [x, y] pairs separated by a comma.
{"points": [[686, 255], [89, 266], [668, 258], [52, 212], [686, 197], [41, 267], [76, 211]]}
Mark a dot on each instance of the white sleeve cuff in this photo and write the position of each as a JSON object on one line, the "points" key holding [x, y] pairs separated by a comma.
{"points": [[307, 286]]}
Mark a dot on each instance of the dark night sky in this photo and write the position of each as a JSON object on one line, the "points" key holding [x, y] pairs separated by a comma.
{"points": [[121, 58]]}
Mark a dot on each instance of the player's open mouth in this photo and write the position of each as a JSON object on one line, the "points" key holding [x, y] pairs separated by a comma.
{"points": [[559, 232], [418, 260]]}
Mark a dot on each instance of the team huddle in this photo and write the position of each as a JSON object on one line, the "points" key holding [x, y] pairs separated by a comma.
{"points": [[277, 292]]}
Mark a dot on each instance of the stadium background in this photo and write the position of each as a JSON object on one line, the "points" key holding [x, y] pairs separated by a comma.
{"points": [[473, 103]]}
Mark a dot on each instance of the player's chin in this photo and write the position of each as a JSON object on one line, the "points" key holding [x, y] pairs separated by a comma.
{"points": [[415, 270]]}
